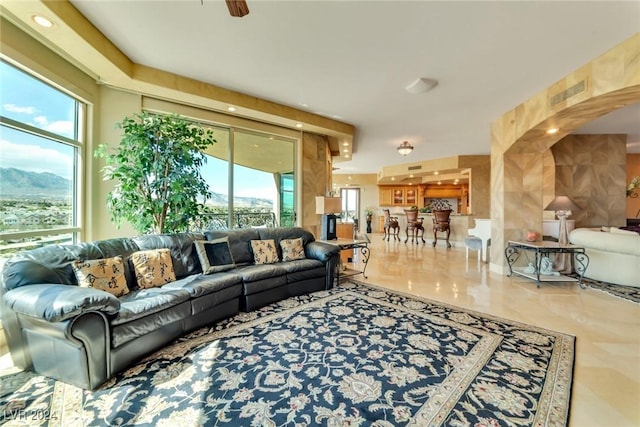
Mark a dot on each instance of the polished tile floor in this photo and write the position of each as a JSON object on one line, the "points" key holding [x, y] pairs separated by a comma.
{"points": [[606, 387]]}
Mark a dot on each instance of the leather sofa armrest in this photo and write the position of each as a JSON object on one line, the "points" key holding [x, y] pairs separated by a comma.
{"points": [[55, 303], [321, 251]]}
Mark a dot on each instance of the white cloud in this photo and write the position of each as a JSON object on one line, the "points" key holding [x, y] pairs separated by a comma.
{"points": [[17, 109], [59, 127], [35, 159]]}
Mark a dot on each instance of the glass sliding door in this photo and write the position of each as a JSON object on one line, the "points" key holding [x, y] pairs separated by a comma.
{"points": [[287, 206], [262, 196], [216, 173], [350, 204]]}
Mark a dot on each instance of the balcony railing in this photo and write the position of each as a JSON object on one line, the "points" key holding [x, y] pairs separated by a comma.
{"points": [[220, 221]]}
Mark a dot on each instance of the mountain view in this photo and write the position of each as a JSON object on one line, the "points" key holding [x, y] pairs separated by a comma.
{"points": [[18, 183], [24, 184]]}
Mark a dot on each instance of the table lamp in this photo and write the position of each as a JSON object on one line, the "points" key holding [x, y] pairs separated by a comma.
{"points": [[563, 206]]}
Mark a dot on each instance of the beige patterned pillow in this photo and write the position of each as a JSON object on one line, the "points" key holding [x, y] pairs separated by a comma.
{"points": [[153, 268], [292, 249], [103, 274], [264, 251]]}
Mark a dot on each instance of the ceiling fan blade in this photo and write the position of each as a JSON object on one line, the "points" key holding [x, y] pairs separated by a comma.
{"points": [[237, 8]]}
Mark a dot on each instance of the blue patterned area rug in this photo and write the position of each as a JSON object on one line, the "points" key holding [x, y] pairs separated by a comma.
{"points": [[629, 293], [355, 355]]}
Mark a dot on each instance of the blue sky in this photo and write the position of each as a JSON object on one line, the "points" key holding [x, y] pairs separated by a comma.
{"points": [[30, 101], [27, 100]]}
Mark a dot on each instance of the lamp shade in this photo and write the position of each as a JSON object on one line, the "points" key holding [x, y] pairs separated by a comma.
{"points": [[562, 203], [328, 205]]}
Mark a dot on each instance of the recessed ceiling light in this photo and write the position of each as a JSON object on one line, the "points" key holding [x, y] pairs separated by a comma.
{"points": [[232, 109], [298, 125], [552, 131], [439, 182], [393, 178], [346, 155], [436, 173], [42, 21], [346, 144]]}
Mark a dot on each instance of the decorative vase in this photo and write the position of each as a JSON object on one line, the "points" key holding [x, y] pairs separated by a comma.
{"points": [[368, 223], [532, 236]]}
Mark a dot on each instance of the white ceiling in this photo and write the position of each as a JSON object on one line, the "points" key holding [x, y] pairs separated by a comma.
{"points": [[351, 60]]}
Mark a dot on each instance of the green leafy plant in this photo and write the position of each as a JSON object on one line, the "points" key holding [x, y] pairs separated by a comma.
{"points": [[157, 168]]}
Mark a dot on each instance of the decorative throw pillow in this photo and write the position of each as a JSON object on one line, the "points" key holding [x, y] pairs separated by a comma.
{"points": [[214, 255], [292, 249], [153, 268], [264, 251], [103, 274]]}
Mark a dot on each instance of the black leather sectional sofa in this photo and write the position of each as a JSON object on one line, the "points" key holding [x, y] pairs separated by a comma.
{"points": [[83, 336]]}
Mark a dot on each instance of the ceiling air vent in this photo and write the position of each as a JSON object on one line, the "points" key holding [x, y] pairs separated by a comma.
{"points": [[568, 93], [414, 168]]}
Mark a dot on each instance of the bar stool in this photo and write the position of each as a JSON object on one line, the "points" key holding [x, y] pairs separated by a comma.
{"points": [[441, 224], [390, 223], [414, 226]]}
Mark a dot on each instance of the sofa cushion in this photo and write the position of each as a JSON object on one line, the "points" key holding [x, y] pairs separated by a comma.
{"points": [[281, 233], [239, 242], [292, 249], [214, 255], [264, 251], [198, 284], [153, 268], [252, 273], [151, 322], [52, 263], [183, 252], [143, 302], [102, 274]]}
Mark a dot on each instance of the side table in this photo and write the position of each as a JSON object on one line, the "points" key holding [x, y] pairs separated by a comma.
{"points": [[539, 251], [361, 244]]}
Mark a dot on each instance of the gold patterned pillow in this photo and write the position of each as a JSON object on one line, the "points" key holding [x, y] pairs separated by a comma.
{"points": [[103, 274], [292, 249], [153, 268], [264, 251]]}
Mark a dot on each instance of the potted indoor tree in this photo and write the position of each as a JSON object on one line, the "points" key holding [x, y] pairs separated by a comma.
{"points": [[157, 165]]}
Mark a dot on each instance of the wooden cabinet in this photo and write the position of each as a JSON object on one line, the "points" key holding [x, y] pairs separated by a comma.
{"points": [[410, 197], [444, 191], [398, 196], [386, 196]]}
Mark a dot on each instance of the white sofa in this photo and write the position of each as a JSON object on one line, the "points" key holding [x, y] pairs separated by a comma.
{"points": [[614, 254]]}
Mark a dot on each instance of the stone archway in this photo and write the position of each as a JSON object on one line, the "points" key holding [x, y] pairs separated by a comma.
{"points": [[519, 138]]}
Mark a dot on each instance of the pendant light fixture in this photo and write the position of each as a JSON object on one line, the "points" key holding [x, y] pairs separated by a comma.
{"points": [[405, 148]]}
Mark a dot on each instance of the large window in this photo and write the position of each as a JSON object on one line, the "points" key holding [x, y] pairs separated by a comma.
{"points": [[41, 134], [260, 168]]}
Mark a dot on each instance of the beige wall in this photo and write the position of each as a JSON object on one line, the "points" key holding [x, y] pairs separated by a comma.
{"points": [[316, 178], [591, 170], [113, 106], [633, 169]]}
